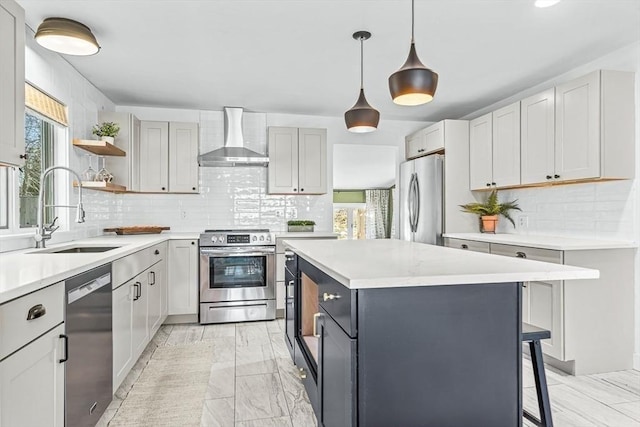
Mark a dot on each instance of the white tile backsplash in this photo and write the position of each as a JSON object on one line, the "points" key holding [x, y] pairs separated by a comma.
{"points": [[601, 210]]}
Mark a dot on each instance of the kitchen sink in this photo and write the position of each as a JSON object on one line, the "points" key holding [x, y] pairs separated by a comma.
{"points": [[76, 250]]}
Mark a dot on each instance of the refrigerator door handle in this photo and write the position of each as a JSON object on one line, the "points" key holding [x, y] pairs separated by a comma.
{"points": [[410, 202], [416, 215]]}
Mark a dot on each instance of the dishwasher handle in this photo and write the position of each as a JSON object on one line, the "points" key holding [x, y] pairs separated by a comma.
{"points": [[88, 287], [66, 348]]}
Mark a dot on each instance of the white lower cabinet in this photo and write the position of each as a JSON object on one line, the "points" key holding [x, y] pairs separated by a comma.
{"points": [[140, 322], [122, 298], [183, 277], [545, 311], [32, 383], [157, 291]]}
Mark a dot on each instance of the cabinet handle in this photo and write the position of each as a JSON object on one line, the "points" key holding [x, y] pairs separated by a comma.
{"points": [[36, 311], [24, 156], [136, 295], [157, 252], [549, 177], [303, 374], [556, 176], [315, 324], [524, 285], [66, 348], [488, 184], [327, 297], [290, 289], [421, 150], [152, 275], [289, 255], [464, 246], [521, 255], [494, 184]]}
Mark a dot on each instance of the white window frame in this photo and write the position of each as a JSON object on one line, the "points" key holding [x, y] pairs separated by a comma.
{"points": [[351, 209]]}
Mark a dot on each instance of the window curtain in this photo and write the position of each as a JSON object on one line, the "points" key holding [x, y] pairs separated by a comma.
{"points": [[379, 213]]}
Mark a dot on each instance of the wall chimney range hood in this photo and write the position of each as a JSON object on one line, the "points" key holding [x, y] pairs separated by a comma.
{"points": [[234, 153]]}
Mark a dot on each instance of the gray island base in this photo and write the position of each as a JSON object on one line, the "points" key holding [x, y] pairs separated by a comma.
{"points": [[405, 355]]}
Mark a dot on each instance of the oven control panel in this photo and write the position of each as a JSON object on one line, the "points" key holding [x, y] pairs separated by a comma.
{"points": [[239, 238]]}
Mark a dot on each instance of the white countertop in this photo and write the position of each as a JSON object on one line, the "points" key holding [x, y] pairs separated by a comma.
{"points": [[22, 272], [544, 242], [362, 264], [304, 234]]}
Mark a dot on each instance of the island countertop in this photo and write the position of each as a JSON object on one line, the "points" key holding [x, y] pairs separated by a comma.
{"points": [[385, 263]]}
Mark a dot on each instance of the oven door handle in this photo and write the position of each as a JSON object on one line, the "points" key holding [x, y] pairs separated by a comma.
{"points": [[227, 253]]}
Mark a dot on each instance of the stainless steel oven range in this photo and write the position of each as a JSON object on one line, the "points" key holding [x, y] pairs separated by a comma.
{"points": [[237, 276]]}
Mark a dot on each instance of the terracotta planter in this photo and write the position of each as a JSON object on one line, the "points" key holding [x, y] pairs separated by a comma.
{"points": [[488, 223]]}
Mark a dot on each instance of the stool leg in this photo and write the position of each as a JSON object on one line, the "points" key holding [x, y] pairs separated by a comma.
{"points": [[541, 383]]}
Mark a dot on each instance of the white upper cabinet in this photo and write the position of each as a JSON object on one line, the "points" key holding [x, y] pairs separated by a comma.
{"points": [[425, 141], [11, 83], [154, 157], [480, 152], [506, 146], [168, 157], [297, 161], [595, 127], [183, 157], [538, 138]]}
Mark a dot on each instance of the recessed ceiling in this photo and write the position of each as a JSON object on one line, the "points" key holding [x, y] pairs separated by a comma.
{"points": [[299, 57]]}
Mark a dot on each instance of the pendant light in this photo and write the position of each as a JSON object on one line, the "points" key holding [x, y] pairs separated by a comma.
{"points": [[362, 117], [413, 83], [67, 36]]}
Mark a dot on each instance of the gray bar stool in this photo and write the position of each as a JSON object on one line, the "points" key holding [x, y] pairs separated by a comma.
{"points": [[533, 335]]}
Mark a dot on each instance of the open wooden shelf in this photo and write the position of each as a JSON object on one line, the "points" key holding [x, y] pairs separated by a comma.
{"points": [[101, 148], [102, 186]]}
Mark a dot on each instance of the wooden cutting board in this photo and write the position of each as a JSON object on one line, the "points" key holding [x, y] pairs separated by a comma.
{"points": [[138, 229]]}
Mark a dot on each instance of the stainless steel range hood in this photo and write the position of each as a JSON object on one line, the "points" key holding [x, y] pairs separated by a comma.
{"points": [[234, 153]]}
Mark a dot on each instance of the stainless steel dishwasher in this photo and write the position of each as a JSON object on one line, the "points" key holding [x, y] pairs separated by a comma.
{"points": [[89, 356]]}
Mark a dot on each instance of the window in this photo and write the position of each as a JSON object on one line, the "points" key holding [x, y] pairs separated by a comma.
{"points": [[39, 148], [350, 220]]}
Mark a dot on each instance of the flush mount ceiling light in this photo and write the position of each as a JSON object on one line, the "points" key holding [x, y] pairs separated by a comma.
{"points": [[413, 83], [362, 117], [546, 3], [67, 36]]}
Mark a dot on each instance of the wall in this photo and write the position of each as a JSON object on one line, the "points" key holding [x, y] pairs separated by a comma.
{"points": [[52, 74], [603, 210], [236, 197]]}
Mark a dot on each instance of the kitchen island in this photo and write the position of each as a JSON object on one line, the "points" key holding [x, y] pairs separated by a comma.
{"points": [[387, 332]]}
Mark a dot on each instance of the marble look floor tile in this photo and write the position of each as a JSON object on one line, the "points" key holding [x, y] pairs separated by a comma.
{"points": [[255, 359], [279, 346], [217, 331], [303, 416], [160, 338], [627, 380], [273, 327], [630, 409], [218, 413], [259, 396], [185, 334], [600, 389], [251, 334], [268, 422], [573, 409], [222, 380], [224, 349]]}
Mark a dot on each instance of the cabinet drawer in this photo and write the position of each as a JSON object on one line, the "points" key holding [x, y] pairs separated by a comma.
{"points": [[467, 244], [536, 254], [340, 303], [124, 269], [16, 312]]}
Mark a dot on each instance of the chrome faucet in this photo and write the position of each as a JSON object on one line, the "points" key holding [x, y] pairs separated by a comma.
{"points": [[44, 231]]}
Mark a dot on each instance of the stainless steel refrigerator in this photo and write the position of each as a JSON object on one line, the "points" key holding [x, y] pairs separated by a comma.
{"points": [[421, 199]]}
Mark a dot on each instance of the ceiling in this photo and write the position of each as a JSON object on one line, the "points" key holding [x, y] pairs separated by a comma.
{"points": [[298, 56], [358, 167]]}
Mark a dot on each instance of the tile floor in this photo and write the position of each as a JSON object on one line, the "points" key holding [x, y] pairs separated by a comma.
{"points": [[252, 382]]}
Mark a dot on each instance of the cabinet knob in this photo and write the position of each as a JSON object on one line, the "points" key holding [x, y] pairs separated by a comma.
{"points": [[464, 246], [157, 252], [494, 184], [295, 189], [193, 188], [556, 176], [521, 255], [163, 188], [24, 156], [302, 189], [488, 184], [549, 177], [303, 374], [193, 243], [328, 297]]}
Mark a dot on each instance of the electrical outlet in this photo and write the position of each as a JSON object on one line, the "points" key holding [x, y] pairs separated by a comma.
{"points": [[523, 221], [183, 214]]}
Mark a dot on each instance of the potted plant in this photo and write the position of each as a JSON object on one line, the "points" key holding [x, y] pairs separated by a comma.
{"points": [[489, 211], [107, 131], [300, 225]]}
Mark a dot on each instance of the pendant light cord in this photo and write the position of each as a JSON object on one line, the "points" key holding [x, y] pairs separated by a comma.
{"points": [[412, 20], [361, 63]]}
